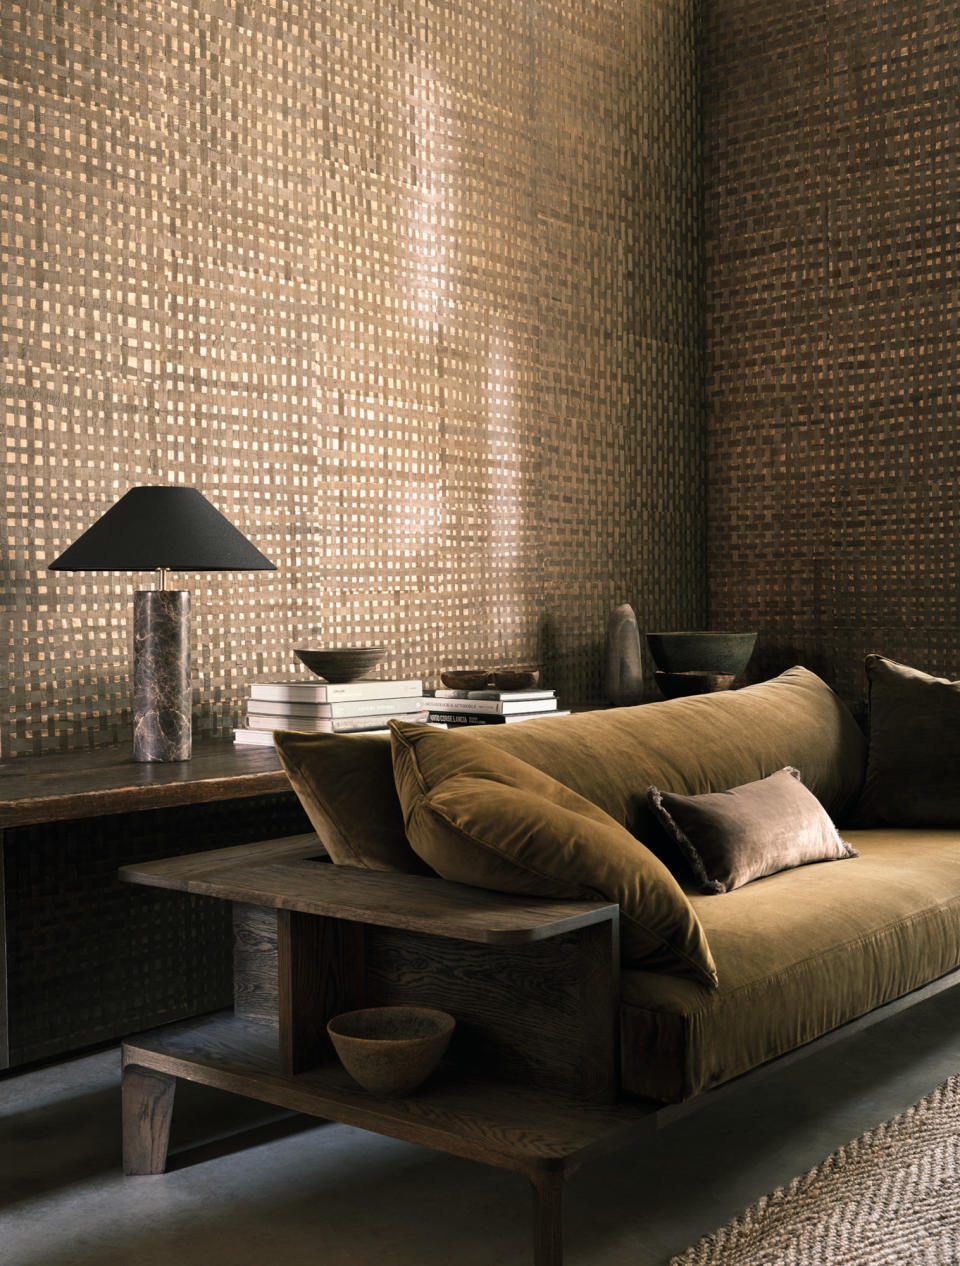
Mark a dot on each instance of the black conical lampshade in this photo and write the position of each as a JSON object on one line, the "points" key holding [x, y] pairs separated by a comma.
{"points": [[153, 527], [162, 529]]}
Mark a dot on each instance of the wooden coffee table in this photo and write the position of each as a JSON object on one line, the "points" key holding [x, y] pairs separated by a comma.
{"points": [[530, 1083]]}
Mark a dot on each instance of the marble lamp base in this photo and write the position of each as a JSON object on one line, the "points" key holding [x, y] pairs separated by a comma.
{"points": [[162, 699]]}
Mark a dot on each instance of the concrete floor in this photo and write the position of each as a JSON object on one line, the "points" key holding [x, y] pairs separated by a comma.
{"points": [[247, 1188]]}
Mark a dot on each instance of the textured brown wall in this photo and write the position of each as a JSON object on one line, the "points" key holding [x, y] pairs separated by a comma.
{"points": [[832, 143], [407, 289]]}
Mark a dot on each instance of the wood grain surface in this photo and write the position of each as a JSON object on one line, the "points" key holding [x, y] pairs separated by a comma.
{"points": [[281, 874], [319, 975], [89, 784], [518, 1008], [513, 1127], [255, 984], [147, 1116]]}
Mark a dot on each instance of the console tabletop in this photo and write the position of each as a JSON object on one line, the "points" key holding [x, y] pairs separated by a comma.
{"points": [[65, 786]]}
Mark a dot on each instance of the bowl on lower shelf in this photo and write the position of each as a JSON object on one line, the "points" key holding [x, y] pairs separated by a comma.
{"points": [[701, 651], [391, 1050], [342, 663]]}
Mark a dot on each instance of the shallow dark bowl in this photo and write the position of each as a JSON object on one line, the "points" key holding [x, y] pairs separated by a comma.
{"points": [[344, 663], [676, 685], [465, 678], [705, 652], [391, 1050], [516, 678]]}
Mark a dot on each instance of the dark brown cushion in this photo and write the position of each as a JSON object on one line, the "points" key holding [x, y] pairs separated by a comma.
{"points": [[482, 817], [730, 837], [345, 784], [913, 764]]}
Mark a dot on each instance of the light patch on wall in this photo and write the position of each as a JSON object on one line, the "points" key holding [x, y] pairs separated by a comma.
{"points": [[375, 280]]}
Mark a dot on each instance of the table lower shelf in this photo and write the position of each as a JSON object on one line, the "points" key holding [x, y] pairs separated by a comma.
{"points": [[511, 1126]]}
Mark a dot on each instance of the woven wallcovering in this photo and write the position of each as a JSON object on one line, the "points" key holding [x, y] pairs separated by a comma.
{"points": [[407, 289], [832, 178]]}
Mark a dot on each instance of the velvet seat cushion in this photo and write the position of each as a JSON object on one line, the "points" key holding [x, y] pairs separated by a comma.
{"points": [[797, 954]]}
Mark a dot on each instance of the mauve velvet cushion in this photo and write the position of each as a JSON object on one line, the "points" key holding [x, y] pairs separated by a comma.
{"points": [[730, 837], [483, 817], [913, 762]]}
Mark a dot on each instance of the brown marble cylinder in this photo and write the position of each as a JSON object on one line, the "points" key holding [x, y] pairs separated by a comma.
{"points": [[161, 675]]}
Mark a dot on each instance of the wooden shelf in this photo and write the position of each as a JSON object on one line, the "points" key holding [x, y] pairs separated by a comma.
{"points": [[512, 1127], [285, 874]]}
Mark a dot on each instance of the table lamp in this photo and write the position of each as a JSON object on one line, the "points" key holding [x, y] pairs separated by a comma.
{"points": [[162, 529]]}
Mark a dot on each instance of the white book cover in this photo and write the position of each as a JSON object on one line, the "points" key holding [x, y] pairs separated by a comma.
{"points": [[490, 707], [254, 738], [346, 708], [330, 692], [505, 695], [328, 725]]}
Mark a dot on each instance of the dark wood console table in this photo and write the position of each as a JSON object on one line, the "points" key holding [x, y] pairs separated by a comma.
{"points": [[84, 958]]}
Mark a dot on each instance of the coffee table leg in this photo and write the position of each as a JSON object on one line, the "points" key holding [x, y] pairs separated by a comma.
{"points": [[147, 1113], [547, 1217]]}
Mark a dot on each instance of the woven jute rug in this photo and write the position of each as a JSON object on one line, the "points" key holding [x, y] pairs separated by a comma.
{"points": [[889, 1198]]}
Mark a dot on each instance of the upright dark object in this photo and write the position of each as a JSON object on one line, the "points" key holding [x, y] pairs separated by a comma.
{"points": [[162, 529], [624, 683]]}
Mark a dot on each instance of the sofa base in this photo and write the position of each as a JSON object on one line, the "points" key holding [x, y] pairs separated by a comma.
{"points": [[303, 932], [543, 1135]]}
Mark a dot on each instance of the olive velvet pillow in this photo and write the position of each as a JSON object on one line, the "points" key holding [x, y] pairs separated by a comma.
{"points": [[483, 817], [345, 784], [731, 837], [913, 759]]}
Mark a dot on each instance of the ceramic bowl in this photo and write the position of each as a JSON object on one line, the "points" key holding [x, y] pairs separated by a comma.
{"points": [[391, 1050], [465, 678], [344, 663], [516, 678], [703, 652]]}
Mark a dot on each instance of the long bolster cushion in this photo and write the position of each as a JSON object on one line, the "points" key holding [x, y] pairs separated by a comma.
{"points": [[797, 954], [689, 746], [697, 744]]}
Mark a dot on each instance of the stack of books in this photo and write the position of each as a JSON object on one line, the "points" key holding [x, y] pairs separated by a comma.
{"points": [[489, 707], [345, 708]]}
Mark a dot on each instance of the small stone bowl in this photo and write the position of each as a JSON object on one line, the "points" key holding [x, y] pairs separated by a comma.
{"points": [[339, 664], [465, 678], [391, 1050], [516, 678], [497, 678], [701, 651]]}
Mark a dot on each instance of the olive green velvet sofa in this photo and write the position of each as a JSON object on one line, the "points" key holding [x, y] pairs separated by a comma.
{"points": [[541, 882], [779, 962]]}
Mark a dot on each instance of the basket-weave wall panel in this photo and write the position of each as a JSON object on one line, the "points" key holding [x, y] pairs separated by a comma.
{"points": [[831, 141], [407, 289]]}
